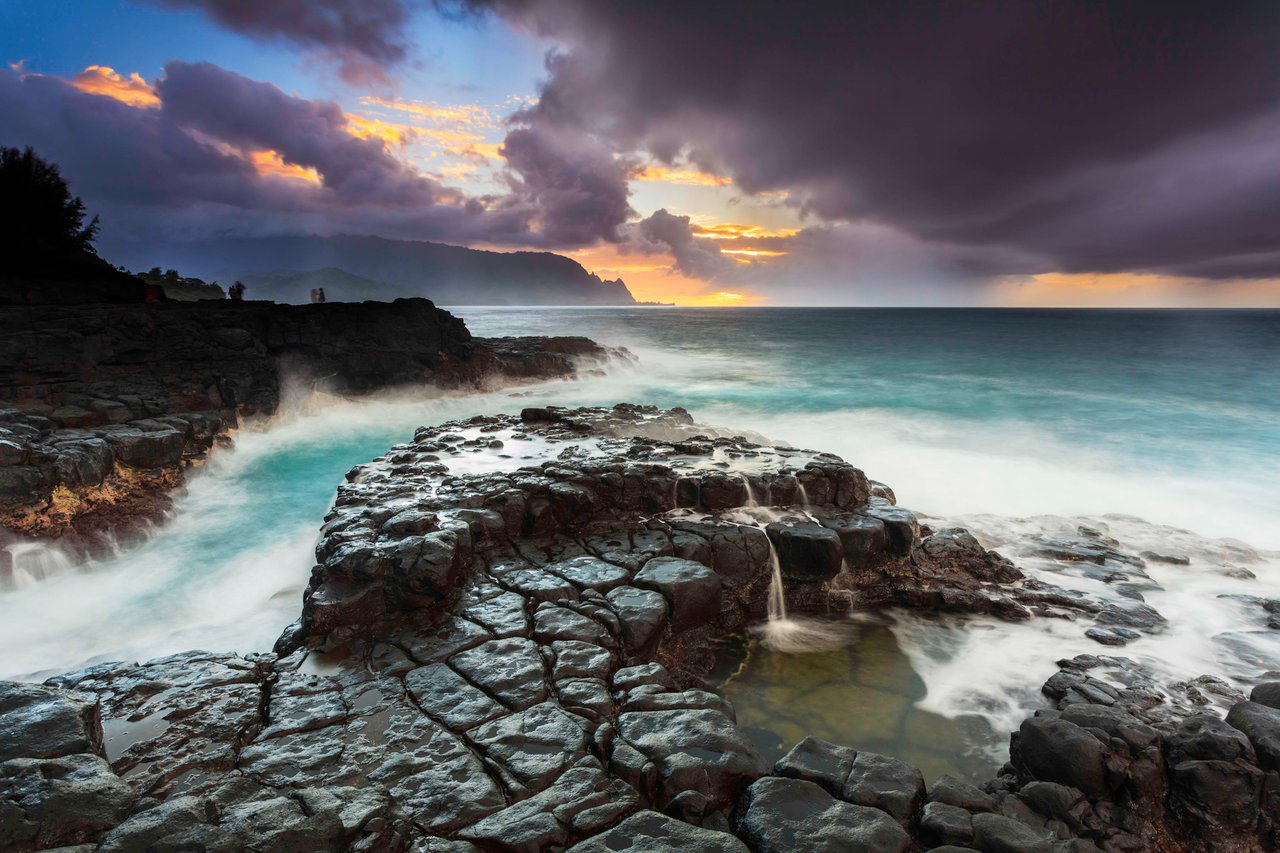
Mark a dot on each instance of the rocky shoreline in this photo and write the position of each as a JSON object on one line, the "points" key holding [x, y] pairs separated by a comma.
{"points": [[105, 406], [503, 654]]}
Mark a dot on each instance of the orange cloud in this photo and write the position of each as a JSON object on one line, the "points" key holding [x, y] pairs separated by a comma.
{"points": [[391, 133], [467, 115], [269, 163], [753, 253], [131, 90], [652, 279], [687, 177], [732, 231]]}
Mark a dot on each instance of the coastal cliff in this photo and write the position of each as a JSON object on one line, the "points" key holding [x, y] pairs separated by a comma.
{"points": [[354, 267], [104, 405], [500, 653]]}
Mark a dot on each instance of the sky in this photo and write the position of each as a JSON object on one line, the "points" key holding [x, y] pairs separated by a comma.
{"points": [[852, 153]]}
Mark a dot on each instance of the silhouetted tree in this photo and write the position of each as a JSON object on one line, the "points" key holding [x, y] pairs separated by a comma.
{"points": [[46, 248], [38, 214]]}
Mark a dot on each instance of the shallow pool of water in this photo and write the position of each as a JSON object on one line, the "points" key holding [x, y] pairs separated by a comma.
{"points": [[862, 694]]}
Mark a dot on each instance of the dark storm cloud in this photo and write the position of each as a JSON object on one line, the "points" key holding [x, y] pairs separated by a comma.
{"points": [[1095, 136], [254, 115], [365, 37], [183, 168], [574, 182], [664, 232]]}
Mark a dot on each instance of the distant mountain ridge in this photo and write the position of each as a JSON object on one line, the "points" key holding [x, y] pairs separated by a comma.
{"points": [[448, 275]]}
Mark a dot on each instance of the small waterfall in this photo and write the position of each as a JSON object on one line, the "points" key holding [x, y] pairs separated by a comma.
{"points": [[777, 595], [803, 495], [32, 562], [796, 635], [751, 503]]}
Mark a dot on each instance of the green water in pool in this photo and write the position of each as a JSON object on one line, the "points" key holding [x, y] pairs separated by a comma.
{"points": [[862, 694]]}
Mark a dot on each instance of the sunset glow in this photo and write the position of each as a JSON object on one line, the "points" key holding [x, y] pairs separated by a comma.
{"points": [[103, 80], [688, 177], [271, 164]]}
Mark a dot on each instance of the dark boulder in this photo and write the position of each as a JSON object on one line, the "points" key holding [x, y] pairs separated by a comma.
{"points": [[816, 760], [652, 832], [691, 589], [807, 553], [888, 784], [45, 722], [1055, 750], [778, 815], [1261, 725]]}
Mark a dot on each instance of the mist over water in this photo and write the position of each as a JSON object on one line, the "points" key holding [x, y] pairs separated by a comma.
{"points": [[1016, 424], [1173, 416]]}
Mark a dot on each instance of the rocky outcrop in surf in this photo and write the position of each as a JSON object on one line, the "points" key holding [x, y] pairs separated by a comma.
{"points": [[104, 405], [504, 644]]}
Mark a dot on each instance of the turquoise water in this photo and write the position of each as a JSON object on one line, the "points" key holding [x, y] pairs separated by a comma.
{"points": [[1171, 416]]}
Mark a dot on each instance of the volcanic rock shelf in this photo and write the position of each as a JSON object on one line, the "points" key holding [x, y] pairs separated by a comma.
{"points": [[503, 647], [101, 406]]}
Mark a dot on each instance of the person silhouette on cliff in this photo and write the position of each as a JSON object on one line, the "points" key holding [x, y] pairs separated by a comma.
{"points": [[236, 292]]}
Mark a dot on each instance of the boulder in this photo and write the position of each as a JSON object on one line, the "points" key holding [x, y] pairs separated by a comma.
{"points": [[1056, 750], [889, 784], [45, 722], [943, 824], [51, 802], [819, 761], [1261, 724], [778, 815], [807, 553], [993, 833], [652, 832], [691, 589], [693, 750]]}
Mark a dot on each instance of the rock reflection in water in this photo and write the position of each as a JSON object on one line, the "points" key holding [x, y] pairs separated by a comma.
{"points": [[861, 694]]}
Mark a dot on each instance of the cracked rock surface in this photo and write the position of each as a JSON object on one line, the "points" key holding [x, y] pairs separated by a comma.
{"points": [[503, 647]]}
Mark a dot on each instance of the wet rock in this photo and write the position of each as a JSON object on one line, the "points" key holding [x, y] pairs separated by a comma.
{"points": [[1261, 725], [863, 539], [807, 553], [168, 825], [956, 792], [1267, 693], [891, 785], [1221, 795], [1207, 737], [449, 698], [51, 802], [511, 671], [901, 524], [778, 815], [589, 573], [45, 722], [693, 750], [943, 824], [1056, 750], [1171, 559], [643, 614], [819, 761], [582, 801], [993, 833], [691, 589], [551, 622], [281, 823], [642, 674], [652, 832], [535, 745]]}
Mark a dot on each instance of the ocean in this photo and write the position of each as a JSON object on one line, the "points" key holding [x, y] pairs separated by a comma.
{"points": [[1159, 428]]}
